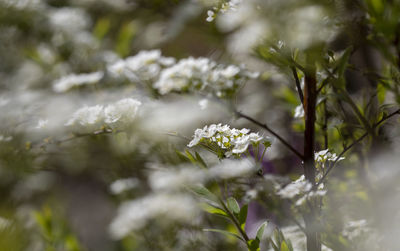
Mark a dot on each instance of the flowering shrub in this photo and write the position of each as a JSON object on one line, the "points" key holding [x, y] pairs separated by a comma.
{"points": [[199, 125]]}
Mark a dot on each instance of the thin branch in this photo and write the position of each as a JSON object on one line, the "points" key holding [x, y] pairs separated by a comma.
{"points": [[298, 85], [234, 220], [332, 165], [282, 140]]}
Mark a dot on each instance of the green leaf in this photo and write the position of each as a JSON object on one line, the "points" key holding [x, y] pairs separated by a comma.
{"points": [[190, 157], [343, 61], [215, 210], [243, 216], [233, 205], [260, 230], [225, 233], [284, 246], [289, 244], [205, 193], [182, 156], [200, 160], [253, 245], [275, 247]]}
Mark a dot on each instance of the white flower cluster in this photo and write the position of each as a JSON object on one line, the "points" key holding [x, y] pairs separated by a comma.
{"points": [[224, 140], [119, 114], [200, 74], [323, 156], [135, 214], [74, 80], [301, 190], [144, 66], [230, 5]]}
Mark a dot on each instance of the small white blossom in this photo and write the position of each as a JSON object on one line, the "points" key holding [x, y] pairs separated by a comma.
{"points": [[211, 16], [223, 8], [299, 111]]}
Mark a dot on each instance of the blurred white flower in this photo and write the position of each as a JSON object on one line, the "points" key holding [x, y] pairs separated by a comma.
{"points": [[123, 111], [146, 65], [42, 123], [69, 20], [200, 74], [228, 169], [203, 104], [135, 214], [73, 80], [122, 185], [118, 114], [299, 111], [5, 138], [297, 187]]}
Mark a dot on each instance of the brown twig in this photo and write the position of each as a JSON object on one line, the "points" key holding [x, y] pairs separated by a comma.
{"points": [[282, 140], [332, 165]]}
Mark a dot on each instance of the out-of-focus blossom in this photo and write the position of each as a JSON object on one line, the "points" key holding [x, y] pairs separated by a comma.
{"points": [[121, 185], [144, 66], [201, 74], [135, 214], [42, 123], [119, 114], [73, 80], [299, 111]]}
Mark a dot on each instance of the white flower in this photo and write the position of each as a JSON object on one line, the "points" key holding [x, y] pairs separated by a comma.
{"points": [[122, 185], [120, 113], [203, 104], [201, 74], [323, 156], [42, 123], [66, 83], [297, 187], [134, 215], [299, 111], [211, 16], [124, 110], [5, 138], [87, 115], [232, 141], [146, 65]]}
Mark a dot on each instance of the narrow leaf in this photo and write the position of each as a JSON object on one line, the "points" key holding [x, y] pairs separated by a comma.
{"points": [[284, 247], [205, 193], [260, 230], [225, 233], [200, 160], [233, 205], [243, 216]]}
